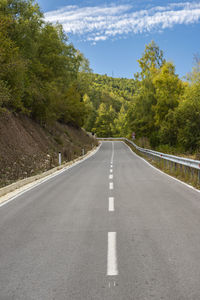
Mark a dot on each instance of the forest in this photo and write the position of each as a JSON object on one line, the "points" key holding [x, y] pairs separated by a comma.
{"points": [[40, 71], [43, 76], [159, 107]]}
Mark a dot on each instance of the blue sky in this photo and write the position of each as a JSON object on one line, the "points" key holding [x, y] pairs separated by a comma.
{"points": [[113, 34]]}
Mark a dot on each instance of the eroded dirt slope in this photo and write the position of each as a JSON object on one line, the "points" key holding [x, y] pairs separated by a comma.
{"points": [[27, 149]]}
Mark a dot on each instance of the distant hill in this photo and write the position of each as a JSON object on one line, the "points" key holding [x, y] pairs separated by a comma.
{"points": [[107, 103], [122, 86]]}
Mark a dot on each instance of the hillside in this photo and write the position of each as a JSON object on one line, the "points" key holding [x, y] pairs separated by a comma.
{"points": [[28, 149], [107, 102], [122, 87], [157, 105]]}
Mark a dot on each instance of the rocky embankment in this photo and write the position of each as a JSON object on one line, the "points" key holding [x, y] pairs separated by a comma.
{"points": [[27, 149]]}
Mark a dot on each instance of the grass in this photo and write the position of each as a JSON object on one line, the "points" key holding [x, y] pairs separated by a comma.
{"points": [[183, 173]]}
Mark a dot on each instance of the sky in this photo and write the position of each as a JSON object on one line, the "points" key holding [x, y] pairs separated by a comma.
{"points": [[113, 34]]}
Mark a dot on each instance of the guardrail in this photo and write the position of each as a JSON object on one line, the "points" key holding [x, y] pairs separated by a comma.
{"points": [[185, 165]]}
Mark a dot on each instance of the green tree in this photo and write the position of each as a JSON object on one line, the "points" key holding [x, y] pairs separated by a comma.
{"points": [[12, 67], [168, 89], [104, 125], [194, 76], [74, 110], [121, 123], [188, 118], [151, 60], [91, 115], [41, 73], [141, 111]]}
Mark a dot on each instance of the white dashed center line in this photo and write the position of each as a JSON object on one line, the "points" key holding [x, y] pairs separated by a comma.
{"points": [[111, 206], [112, 156], [112, 268], [111, 186]]}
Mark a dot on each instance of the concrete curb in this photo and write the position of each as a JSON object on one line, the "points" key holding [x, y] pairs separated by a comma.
{"points": [[16, 187]]}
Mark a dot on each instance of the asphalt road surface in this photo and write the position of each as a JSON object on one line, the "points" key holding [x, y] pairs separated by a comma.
{"points": [[111, 227]]}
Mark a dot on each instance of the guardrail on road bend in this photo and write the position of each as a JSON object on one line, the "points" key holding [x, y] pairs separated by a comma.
{"points": [[189, 167]]}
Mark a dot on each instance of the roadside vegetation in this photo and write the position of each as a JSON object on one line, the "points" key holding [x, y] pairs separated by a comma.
{"points": [[43, 80], [41, 73], [184, 173], [44, 77], [162, 109]]}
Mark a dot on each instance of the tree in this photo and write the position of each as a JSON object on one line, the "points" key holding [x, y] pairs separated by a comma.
{"points": [[194, 76], [168, 89], [114, 92], [151, 60], [104, 125], [141, 112], [121, 123], [12, 67], [188, 118], [91, 115], [4, 94], [39, 69]]}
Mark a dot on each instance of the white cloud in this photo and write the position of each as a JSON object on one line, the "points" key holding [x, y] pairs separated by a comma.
{"points": [[99, 23]]}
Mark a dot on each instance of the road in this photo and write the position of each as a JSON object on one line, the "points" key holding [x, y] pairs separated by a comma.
{"points": [[112, 227]]}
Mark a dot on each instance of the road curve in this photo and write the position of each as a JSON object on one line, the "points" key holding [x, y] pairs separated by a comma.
{"points": [[111, 227]]}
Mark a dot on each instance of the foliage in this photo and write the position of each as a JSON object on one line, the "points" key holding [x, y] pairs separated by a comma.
{"points": [[165, 109], [168, 88], [188, 118], [151, 60], [115, 94], [104, 121], [157, 105], [41, 74], [44, 76]]}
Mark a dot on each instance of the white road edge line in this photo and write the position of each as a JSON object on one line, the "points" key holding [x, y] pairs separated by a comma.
{"points": [[111, 205], [57, 173], [111, 176], [112, 268], [111, 186], [189, 186]]}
